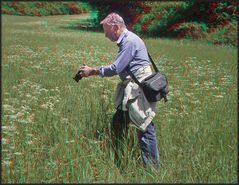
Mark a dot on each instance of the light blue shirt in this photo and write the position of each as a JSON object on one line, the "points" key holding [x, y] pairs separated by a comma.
{"points": [[132, 52]]}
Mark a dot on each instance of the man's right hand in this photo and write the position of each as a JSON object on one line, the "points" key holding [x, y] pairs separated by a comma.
{"points": [[86, 71]]}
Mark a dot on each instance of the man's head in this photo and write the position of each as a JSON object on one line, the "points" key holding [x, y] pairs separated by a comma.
{"points": [[113, 26]]}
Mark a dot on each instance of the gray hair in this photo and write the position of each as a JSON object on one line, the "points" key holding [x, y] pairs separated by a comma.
{"points": [[113, 19]]}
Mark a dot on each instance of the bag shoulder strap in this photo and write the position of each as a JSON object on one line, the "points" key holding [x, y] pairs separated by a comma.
{"points": [[155, 67], [132, 75], [136, 80]]}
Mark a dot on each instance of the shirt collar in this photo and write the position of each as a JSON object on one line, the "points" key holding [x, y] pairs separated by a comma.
{"points": [[122, 36]]}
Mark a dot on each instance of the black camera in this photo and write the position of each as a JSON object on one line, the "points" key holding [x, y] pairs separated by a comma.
{"points": [[77, 77]]}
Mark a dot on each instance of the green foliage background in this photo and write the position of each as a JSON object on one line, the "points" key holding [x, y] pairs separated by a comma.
{"points": [[45, 8], [214, 22]]}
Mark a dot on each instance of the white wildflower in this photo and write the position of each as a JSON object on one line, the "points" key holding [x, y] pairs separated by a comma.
{"points": [[43, 89], [18, 153], [13, 117], [188, 94], [29, 142], [9, 128], [64, 120], [20, 114], [218, 96], [8, 107]]}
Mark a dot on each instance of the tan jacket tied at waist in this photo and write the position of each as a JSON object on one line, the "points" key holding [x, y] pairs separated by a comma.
{"points": [[129, 96]]}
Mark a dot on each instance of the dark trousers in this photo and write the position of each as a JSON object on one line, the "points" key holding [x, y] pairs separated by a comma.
{"points": [[147, 140]]}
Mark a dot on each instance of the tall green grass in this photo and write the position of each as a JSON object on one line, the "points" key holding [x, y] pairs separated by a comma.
{"points": [[56, 130]]}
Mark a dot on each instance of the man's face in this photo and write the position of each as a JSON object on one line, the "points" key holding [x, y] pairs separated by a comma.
{"points": [[110, 32]]}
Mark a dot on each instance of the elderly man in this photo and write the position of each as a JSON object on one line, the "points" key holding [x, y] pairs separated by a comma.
{"points": [[130, 100]]}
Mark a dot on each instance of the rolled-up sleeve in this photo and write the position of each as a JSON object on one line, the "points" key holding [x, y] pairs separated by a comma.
{"points": [[125, 55], [109, 70]]}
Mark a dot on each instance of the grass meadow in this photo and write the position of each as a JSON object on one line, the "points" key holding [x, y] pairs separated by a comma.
{"points": [[55, 130]]}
